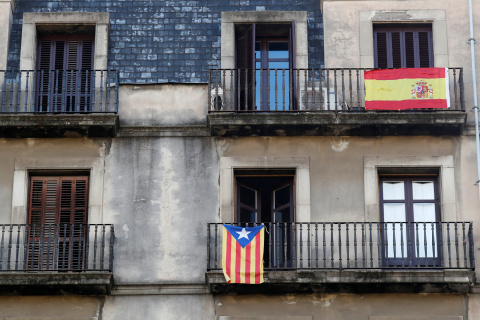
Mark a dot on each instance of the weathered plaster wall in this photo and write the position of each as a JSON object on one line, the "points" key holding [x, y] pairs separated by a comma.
{"points": [[51, 308], [345, 307], [163, 105], [159, 307]]}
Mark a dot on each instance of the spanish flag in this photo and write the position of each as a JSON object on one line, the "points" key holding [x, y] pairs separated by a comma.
{"points": [[242, 254], [410, 88]]}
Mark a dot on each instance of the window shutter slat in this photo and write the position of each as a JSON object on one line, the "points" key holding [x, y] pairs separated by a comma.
{"points": [[381, 51], [424, 49]]}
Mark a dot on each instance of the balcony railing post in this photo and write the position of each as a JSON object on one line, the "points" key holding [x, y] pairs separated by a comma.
{"points": [[470, 246]]}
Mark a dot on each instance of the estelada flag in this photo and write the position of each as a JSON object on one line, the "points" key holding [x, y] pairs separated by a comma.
{"points": [[409, 88], [242, 254]]}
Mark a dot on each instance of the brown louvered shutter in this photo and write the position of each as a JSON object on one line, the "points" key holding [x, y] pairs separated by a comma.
{"points": [[406, 47], [64, 76], [246, 68], [57, 218]]}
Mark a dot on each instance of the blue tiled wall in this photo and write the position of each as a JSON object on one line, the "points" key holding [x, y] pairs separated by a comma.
{"points": [[161, 41]]}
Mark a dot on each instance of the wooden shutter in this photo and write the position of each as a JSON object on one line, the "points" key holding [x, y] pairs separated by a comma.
{"points": [[407, 47], [293, 66], [246, 69], [58, 210], [64, 73]]}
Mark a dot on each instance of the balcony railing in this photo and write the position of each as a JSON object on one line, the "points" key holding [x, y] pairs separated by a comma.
{"points": [[58, 91], [56, 247], [335, 89], [359, 245]]}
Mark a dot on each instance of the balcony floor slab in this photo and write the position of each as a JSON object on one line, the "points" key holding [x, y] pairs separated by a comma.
{"points": [[58, 125], [329, 123], [55, 283], [350, 281]]}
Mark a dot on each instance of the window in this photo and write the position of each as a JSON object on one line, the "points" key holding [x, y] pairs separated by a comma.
{"points": [[268, 198], [57, 217], [64, 81], [410, 211], [269, 50], [400, 46]]}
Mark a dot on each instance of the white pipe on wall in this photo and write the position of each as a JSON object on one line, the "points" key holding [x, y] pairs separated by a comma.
{"points": [[474, 84]]}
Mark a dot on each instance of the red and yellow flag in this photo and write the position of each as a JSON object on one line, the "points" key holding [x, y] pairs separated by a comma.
{"points": [[410, 88], [242, 254]]}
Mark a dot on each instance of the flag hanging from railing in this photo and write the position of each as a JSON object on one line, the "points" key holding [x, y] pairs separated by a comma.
{"points": [[408, 88], [242, 254]]}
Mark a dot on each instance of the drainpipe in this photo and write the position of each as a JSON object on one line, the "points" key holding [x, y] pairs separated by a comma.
{"points": [[474, 83]]}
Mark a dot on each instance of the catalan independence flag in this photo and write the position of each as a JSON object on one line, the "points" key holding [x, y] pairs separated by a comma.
{"points": [[409, 88], [242, 254]]}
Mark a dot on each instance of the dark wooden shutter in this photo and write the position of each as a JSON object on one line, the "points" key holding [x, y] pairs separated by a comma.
{"points": [[293, 66], [406, 47], [64, 73], [58, 210], [246, 69]]}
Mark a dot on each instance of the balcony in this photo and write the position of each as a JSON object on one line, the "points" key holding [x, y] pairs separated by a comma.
{"points": [[58, 103], [56, 258], [289, 102], [356, 257]]}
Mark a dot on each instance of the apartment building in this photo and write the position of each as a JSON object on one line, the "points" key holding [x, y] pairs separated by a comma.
{"points": [[130, 131]]}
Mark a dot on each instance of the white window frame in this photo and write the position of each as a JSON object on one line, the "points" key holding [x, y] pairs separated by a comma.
{"points": [[446, 181]]}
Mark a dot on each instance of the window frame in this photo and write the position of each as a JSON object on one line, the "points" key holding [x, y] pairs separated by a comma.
{"points": [[66, 20]]}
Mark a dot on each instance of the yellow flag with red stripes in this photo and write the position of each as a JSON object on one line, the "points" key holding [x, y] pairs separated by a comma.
{"points": [[408, 88]]}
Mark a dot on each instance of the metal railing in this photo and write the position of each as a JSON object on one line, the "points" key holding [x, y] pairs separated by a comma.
{"points": [[56, 247], [333, 89], [58, 91], [358, 245]]}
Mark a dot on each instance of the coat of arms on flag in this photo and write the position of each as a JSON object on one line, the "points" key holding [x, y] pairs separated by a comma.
{"points": [[242, 254], [408, 88]]}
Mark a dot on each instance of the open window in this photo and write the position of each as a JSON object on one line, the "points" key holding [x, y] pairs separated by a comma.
{"points": [[403, 46], [411, 221], [265, 59], [57, 222], [268, 199]]}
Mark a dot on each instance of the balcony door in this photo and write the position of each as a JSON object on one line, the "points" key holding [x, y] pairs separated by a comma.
{"points": [[265, 62], [57, 218], [411, 228], [269, 200], [64, 78]]}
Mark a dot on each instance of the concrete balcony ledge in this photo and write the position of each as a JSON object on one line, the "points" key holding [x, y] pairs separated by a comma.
{"points": [[328, 123], [350, 281], [31, 125], [55, 283]]}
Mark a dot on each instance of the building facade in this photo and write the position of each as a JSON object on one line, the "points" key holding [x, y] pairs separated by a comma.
{"points": [[130, 131]]}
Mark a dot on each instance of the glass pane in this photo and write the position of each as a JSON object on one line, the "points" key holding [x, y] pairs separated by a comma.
{"points": [[258, 51], [278, 49], [426, 231], [248, 197], [282, 215], [395, 238], [281, 196], [423, 190], [247, 215], [394, 212], [393, 190], [279, 83]]}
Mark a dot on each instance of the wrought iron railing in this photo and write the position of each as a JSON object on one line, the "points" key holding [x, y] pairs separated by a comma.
{"points": [[58, 91], [333, 89], [358, 245], [56, 247]]}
